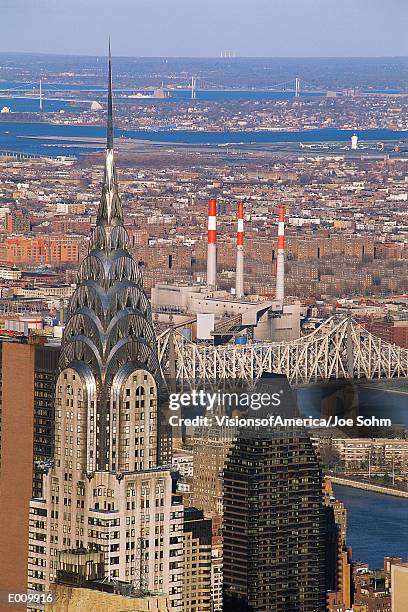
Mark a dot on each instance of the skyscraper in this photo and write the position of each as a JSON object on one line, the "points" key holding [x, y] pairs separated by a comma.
{"points": [[27, 374], [106, 490], [274, 522], [338, 560], [197, 562]]}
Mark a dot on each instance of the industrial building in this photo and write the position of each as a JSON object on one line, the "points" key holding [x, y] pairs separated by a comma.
{"points": [[235, 316]]}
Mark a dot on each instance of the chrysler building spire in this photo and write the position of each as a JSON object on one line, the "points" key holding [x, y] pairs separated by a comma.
{"points": [[109, 331], [110, 209], [109, 130]]}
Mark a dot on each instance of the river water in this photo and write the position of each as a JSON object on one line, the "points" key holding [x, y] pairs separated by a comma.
{"points": [[391, 403], [377, 525], [51, 139]]}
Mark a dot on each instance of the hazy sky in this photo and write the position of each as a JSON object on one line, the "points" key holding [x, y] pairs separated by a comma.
{"points": [[206, 27]]}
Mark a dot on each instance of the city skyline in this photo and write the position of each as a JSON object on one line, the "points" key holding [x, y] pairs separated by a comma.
{"points": [[203, 323], [284, 29]]}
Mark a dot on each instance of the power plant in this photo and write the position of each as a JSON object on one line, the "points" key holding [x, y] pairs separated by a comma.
{"points": [[280, 262], [239, 279], [222, 316], [212, 245]]}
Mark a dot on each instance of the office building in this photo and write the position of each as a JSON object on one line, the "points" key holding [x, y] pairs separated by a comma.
{"points": [[106, 490], [372, 590], [53, 250], [399, 587], [80, 586], [197, 561], [274, 520], [338, 554], [216, 578], [209, 457], [27, 375]]}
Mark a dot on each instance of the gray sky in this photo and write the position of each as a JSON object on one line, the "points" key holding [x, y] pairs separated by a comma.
{"points": [[271, 28]]}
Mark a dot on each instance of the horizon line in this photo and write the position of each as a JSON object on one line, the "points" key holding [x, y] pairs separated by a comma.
{"points": [[206, 57]]}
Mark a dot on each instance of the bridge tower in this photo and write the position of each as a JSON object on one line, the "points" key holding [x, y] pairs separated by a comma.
{"points": [[193, 87], [297, 87]]}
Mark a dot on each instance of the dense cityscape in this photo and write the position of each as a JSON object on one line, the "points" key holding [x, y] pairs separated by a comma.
{"points": [[253, 265]]}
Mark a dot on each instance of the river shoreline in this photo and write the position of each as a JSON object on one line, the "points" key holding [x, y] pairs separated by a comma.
{"points": [[365, 486], [32, 137], [376, 524]]}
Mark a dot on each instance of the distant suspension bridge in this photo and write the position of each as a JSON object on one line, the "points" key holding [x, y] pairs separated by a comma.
{"points": [[37, 91], [197, 84], [296, 86]]}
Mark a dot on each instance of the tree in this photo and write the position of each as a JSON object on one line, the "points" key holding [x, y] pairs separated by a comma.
{"points": [[329, 455]]}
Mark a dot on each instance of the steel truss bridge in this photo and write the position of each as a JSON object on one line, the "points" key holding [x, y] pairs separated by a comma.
{"points": [[340, 348]]}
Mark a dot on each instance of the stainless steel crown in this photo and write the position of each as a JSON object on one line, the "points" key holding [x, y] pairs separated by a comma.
{"points": [[109, 320]]}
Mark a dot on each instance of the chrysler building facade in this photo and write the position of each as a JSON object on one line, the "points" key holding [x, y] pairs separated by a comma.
{"points": [[106, 490]]}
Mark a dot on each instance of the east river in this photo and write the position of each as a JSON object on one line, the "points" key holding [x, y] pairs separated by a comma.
{"points": [[377, 525]]}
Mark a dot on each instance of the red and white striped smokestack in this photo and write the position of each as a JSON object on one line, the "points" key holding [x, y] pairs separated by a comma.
{"points": [[280, 264], [239, 277], [212, 244]]}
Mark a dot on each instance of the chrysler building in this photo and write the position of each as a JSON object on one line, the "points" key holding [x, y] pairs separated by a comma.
{"points": [[105, 491]]}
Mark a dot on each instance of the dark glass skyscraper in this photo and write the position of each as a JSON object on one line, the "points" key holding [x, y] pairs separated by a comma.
{"points": [[274, 522]]}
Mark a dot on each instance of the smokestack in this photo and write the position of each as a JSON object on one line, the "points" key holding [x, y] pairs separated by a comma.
{"points": [[239, 278], [280, 264], [212, 244]]}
